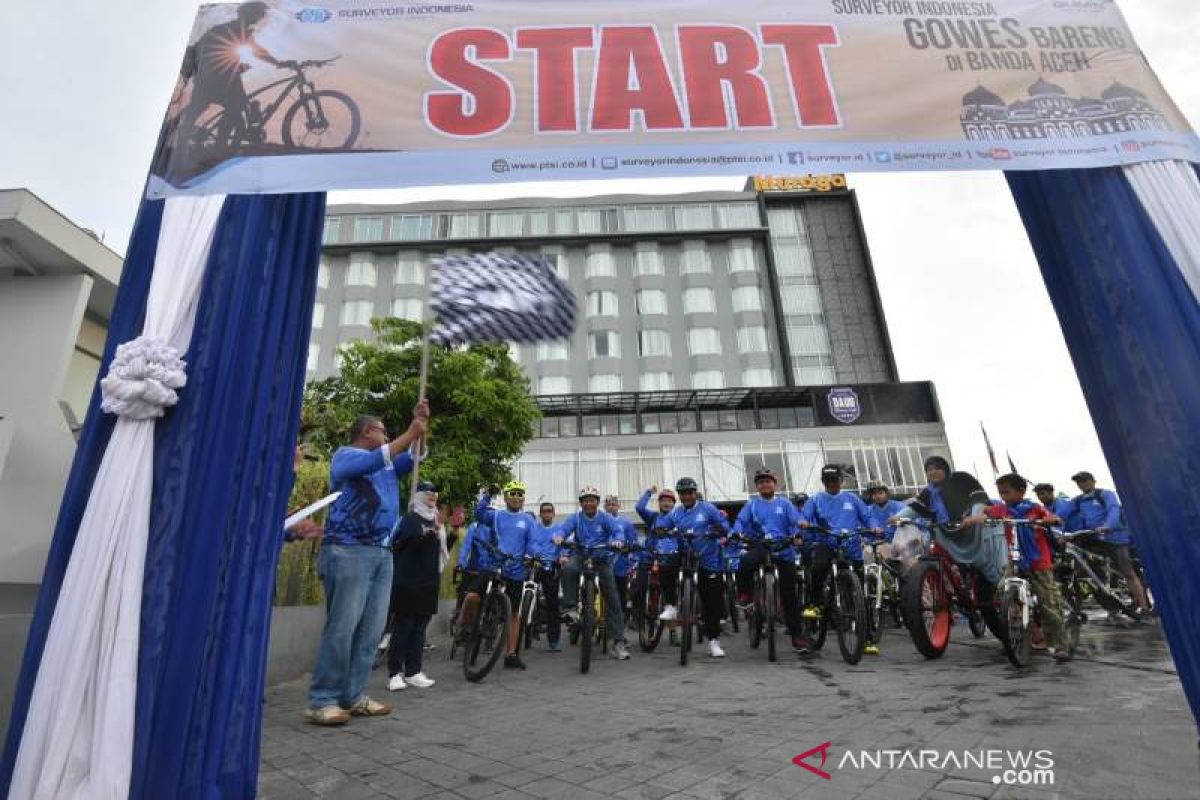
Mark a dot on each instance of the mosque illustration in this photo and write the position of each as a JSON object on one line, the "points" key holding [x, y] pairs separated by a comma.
{"points": [[1049, 113]]}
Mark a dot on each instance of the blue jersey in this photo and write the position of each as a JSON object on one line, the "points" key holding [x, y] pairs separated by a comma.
{"points": [[1064, 509], [1100, 509], [624, 562], [512, 529], [655, 521], [369, 508], [880, 514], [844, 511], [776, 518], [541, 542], [701, 518], [590, 531]]}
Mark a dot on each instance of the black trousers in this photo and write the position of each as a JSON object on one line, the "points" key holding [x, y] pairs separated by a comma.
{"points": [[712, 602], [817, 558], [548, 578], [668, 580], [750, 563], [407, 648]]}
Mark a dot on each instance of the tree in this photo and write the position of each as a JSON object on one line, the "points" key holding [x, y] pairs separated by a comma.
{"points": [[482, 411]]}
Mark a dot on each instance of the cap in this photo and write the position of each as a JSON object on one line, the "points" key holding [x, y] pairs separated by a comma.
{"points": [[765, 473], [1083, 476], [426, 486], [686, 485], [831, 472]]}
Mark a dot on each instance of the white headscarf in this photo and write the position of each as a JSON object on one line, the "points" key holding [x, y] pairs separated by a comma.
{"points": [[429, 513]]}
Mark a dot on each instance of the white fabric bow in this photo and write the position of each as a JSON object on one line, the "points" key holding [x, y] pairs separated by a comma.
{"points": [[142, 379]]}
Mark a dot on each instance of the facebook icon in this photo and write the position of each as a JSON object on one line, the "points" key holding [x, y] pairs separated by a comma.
{"points": [[795, 157]]}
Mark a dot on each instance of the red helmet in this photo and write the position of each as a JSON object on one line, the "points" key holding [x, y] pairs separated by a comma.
{"points": [[667, 493]]}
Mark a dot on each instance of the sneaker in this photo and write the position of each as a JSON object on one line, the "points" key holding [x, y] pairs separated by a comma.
{"points": [[513, 661], [619, 651], [430, 646], [396, 683], [554, 647], [420, 680], [366, 707], [871, 650], [744, 599], [1061, 655], [800, 645], [669, 614], [327, 715], [714, 648], [674, 638], [569, 618], [812, 612]]}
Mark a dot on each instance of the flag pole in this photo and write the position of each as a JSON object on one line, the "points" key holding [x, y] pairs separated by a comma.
{"points": [[426, 328]]}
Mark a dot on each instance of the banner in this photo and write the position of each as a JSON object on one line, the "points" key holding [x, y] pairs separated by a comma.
{"points": [[284, 96]]}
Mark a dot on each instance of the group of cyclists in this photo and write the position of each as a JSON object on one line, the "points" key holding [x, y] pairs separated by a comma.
{"points": [[797, 534]]}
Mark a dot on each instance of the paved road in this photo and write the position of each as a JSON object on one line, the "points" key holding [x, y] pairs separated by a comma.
{"points": [[1115, 721]]}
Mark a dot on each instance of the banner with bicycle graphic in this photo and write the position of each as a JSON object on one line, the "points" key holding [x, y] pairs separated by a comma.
{"points": [[280, 96]]}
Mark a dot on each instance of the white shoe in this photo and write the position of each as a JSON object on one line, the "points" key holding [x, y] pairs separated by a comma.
{"points": [[714, 648], [669, 614], [396, 683], [421, 681]]}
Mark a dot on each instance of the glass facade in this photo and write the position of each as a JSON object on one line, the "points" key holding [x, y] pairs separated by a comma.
{"points": [[803, 316]]}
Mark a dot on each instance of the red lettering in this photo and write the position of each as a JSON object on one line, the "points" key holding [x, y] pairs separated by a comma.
{"points": [[812, 88], [556, 83], [714, 57], [632, 76], [483, 102]]}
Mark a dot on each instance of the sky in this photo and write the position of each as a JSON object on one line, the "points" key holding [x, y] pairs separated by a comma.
{"points": [[85, 85]]}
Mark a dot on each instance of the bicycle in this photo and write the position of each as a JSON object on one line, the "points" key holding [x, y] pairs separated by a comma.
{"points": [[1078, 572], [765, 610], [732, 563], [489, 633], [585, 629], [532, 616], [881, 590], [1019, 606], [689, 591], [841, 599]]}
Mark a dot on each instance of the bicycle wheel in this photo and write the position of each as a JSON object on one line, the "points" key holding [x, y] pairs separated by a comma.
{"points": [[771, 611], [524, 620], [1018, 644], [687, 611], [489, 638], [754, 620], [587, 625], [851, 618], [731, 601], [926, 609], [324, 120], [648, 626], [873, 597], [975, 620]]}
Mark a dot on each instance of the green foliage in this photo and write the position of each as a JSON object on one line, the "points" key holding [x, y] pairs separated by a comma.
{"points": [[296, 581]]}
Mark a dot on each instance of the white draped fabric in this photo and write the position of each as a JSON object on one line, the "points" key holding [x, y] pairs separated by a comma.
{"points": [[1170, 193], [78, 736]]}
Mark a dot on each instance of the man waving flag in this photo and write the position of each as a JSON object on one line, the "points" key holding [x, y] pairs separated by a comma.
{"points": [[489, 297]]}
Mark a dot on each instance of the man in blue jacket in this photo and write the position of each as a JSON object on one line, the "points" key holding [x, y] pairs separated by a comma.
{"points": [[882, 508], [623, 563], [834, 510], [664, 549], [510, 528], [770, 517], [591, 527], [1061, 507], [355, 565], [696, 516], [1100, 510], [543, 548]]}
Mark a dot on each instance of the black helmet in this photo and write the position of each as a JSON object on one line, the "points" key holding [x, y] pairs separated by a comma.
{"points": [[686, 485], [878, 486], [426, 486], [831, 472], [799, 499], [765, 472]]}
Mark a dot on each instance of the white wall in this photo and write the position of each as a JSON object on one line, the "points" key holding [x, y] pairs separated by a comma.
{"points": [[39, 325]]}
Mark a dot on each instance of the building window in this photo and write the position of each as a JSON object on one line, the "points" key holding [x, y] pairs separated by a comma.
{"points": [[808, 340], [738, 215], [645, 218], [412, 227], [693, 258], [464, 226], [651, 301], [699, 299], [506, 223], [554, 385], [597, 220], [752, 339], [656, 382], [564, 221], [693, 216], [741, 256], [409, 269], [793, 260], [602, 304], [314, 353], [368, 229], [558, 260], [361, 271], [708, 379], [333, 226], [647, 260], [747, 298], [604, 344], [801, 300], [539, 223], [654, 343], [784, 221], [323, 276], [552, 351], [318, 315], [604, 383], [758, 377], [704, 342], [357, 312], [406, 308], [600, 262]]}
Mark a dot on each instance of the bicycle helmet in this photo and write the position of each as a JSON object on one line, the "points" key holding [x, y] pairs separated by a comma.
{"points": [[514, 486], [611, 498], [765, 472], [686, 485], [799, 499], [589, 491], [667, 493], [878, 485]]}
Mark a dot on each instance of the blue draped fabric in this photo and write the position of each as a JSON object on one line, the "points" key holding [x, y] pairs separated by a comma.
{"points": [[1132, 326], [128, 315], [223, 461]]}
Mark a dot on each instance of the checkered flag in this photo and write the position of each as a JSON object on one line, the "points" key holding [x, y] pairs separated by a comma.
{"points": [[489, 297]]}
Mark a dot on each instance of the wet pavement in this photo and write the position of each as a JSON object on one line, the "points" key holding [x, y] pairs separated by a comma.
{"points": [[1111, 724]]}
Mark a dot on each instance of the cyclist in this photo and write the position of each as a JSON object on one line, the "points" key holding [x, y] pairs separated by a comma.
{"points": [[623, 563], [590, 526], [770, 517], [882, 508], [665, 550], [835, 510], [1061, 507], [543, 548], [510, 527], [700, 516], [1100, 510]]}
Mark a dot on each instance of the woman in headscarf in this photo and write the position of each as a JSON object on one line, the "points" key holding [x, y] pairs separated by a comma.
{"points": [[416, 552]]}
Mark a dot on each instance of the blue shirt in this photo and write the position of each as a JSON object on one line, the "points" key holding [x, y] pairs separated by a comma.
{"points": [[1064, 509], [880, 514], [701, 518], [656, 521], [512, 529], [541, 542], [590, 531], [1100, 508], [776, 518], [624, 562], [369, 508], [844, 511]]}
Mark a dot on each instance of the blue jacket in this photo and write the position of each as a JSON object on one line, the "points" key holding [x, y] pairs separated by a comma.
{"points": [[541, 545], [702, 517], [844, 511], [624, 562], [369, 509], [1064, 509], [1100, 509], [655, 521], [590, 531], [472, 557], [880, 514], [776, 518], [512, 532]]}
